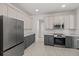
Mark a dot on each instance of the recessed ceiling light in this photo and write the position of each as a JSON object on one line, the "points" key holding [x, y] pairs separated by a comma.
{"points": [[63, 6], [37, 10]]}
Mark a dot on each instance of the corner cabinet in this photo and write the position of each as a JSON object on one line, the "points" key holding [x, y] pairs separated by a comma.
{"points": [[48, 40]]}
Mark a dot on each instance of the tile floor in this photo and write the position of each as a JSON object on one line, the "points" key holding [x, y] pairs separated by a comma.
{"points": [[39, 49]]}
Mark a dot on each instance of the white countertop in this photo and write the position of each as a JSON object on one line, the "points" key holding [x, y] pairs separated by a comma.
{"points": [[27, 34], [74, 35]]}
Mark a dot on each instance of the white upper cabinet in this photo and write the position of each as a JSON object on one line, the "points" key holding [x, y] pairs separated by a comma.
{"points": [[59, 19], [53, 20], [46, 23], [66, 22], [72, 22], [69, 22], [56, 20], [49, 22]]}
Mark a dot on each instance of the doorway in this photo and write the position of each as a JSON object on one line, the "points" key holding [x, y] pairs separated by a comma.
{"points": [[41, 30]]}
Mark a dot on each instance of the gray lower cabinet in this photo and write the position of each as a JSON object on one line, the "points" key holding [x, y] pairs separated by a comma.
{"points": [[48, 40], [76, 42], [28, 40], [69, 42]]}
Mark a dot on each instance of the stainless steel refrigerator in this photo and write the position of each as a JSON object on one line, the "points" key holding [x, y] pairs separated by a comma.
{"points": [[11, 36]]}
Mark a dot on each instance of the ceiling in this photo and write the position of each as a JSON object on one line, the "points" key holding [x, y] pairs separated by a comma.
{"points": [[45, 8]]}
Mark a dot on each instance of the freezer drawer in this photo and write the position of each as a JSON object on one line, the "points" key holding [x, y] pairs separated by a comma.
{"points": [[16, 51]]}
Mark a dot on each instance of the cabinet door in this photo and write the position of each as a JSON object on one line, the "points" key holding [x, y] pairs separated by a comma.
{"points": [[46, 37], [46, 23], [48, 40], [68, 42], [66, 21], [56, 21], [77, 43], [26, 42], [72, 22], [51, 40], [33, 37], [50, 22], [61, 19]]}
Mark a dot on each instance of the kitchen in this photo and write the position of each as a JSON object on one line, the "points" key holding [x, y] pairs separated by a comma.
{"points": [[54, 29]]}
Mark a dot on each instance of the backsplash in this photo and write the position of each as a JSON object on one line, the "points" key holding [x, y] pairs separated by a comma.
{"points": [[62, 31]]}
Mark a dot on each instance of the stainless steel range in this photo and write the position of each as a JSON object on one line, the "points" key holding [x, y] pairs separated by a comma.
{"points": [[59, 39]]}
